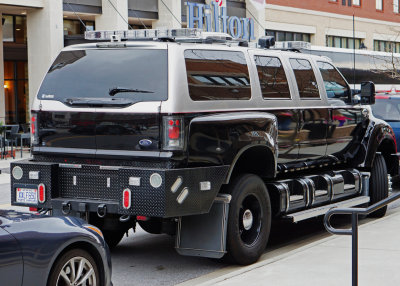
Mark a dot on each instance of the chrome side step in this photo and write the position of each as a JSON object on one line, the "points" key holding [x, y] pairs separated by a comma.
{"points": [[309, 213]]}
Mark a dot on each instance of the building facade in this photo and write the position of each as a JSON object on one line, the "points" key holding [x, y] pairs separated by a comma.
{"points": [[34, 31]]}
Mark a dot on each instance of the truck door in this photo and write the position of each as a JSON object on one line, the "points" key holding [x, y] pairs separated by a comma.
{"points": [[314, 115]]}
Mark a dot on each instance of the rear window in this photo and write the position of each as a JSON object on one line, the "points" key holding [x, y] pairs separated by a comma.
{"points": [[133, 75], [217, 75]]}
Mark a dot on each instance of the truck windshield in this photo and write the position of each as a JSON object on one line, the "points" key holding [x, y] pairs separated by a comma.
{"points": [[134, 75]]}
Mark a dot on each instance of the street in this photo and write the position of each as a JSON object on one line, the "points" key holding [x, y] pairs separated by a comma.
{"points": [[148, 259]]}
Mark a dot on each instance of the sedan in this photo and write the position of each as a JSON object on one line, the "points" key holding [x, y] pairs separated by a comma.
{"points": [[42, 250]]}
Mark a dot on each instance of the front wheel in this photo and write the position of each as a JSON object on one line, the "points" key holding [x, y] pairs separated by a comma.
{"points": [[378, 185], [249, 220], [75, 267]]}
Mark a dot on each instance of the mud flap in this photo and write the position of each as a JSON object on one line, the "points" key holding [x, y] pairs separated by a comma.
{"points": [[204, 235]]}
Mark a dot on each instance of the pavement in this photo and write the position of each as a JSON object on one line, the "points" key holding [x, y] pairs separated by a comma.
{"points": [[325, 261], [5, 163]]}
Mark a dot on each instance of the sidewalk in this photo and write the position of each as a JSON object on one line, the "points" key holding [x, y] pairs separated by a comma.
{"points": [[326, 261], [5, 163]]}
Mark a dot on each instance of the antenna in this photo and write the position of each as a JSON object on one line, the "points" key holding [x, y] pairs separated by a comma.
{"points": [[76, 15]]}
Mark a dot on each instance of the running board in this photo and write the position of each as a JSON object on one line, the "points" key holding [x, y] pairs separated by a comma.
{"points": [[309, 213]]}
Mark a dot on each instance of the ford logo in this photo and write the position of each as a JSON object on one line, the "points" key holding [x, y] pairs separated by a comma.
{"points": [[145, 142]]}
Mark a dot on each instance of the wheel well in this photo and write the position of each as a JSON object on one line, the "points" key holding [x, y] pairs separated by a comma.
{"points": [[387, 148], [87, 247], [258, 160]]}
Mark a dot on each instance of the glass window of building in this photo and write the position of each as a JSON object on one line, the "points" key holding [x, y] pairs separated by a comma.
{"points": [[16, 92], [396, 6], [356, 2], [386, 46], [14, 29], [288, 36], [75, 27], [379, 4], [343, 42]]}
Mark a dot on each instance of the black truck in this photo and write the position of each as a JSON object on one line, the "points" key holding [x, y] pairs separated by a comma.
{"points": [[200, 137]]}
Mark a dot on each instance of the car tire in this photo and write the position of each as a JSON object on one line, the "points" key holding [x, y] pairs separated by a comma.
{"points": [[378, 185], [113, 237], [249, 220], [62, 274]]}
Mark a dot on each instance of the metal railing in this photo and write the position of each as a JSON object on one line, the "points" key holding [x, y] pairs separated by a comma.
{"points": [[354, 212]]}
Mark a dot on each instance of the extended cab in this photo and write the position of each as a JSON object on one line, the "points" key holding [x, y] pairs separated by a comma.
{"points": [[202, 138]]}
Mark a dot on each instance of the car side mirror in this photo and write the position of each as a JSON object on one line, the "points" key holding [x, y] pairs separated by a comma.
{"points": [[367, 92]]}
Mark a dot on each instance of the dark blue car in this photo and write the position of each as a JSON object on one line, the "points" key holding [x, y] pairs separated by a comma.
{"points": [[387, 107], [40, 250]]}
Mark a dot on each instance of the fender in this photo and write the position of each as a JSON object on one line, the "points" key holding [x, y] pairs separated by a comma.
{"points": [[377, 134], [222, 138]]}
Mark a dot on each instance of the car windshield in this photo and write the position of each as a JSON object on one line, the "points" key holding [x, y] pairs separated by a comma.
{"points": [[387, 109], [131, 74]]}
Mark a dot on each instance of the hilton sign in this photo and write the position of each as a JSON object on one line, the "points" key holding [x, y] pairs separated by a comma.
{"points": [[214, 18]]}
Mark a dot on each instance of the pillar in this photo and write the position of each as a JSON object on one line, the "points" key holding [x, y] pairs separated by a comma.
{"points": [[114, 15], [45, 41], [165, 18], [2, 93]]}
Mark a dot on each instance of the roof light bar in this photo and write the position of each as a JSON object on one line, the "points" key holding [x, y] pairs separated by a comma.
{"points": [[143, 34], [292, 45]]}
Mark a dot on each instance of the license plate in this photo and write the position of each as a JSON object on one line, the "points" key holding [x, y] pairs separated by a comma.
{"points": [[28, 196]]}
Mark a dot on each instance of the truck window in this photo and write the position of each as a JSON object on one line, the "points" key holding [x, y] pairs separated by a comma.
{"points": [[305, 78], [94, 73], [217, 75], [272, 77], [335, 85]]}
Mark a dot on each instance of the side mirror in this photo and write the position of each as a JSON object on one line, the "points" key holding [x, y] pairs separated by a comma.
{"points": [[367, 92]]}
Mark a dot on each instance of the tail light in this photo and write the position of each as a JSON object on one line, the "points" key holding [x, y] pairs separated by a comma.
{"points": [[173, 133], [42, 193], [126, 198], [34, 130]]}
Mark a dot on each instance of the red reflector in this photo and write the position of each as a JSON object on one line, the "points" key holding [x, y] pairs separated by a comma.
{"points": [[140, 217], [42, 193], [32, 209], [126, 199], [33, 119], [173, 132]]}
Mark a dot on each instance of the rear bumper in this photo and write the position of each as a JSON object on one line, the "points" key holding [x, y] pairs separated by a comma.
{"points": [[81, 188]]}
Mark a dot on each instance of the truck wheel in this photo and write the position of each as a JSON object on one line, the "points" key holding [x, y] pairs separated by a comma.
{"points": [[249, 220], [153, 225], [378, 185], [113, 237]]}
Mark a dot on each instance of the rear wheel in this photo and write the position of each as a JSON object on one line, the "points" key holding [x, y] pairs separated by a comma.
{"points": [[75, 267], [249, 220], [378, 185]]}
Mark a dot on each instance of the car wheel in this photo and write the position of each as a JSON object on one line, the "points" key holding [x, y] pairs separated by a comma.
{"points": [[249, 220], [75, 267], [378, 185], [113, 237]]}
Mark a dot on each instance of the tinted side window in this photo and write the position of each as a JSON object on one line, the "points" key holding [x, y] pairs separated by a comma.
{"points": [[272, 77], [305, 78], [217, 75], [335, 85]]}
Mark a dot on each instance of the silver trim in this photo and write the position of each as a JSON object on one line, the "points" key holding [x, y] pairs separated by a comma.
{"points": [[182, 196], [71, 166], [306, 214]]}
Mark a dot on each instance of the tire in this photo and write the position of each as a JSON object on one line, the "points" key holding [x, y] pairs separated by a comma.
{"points": [[153, 225], [113, 237], [61, 272], [378, 185], [249, 220]]}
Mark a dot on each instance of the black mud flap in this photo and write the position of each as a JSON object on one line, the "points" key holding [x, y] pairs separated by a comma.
{"points": [[205, 235]]}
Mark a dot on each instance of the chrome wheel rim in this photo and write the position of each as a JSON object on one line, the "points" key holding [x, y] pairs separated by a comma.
{"points": [[78, 271], [250, 220]]}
